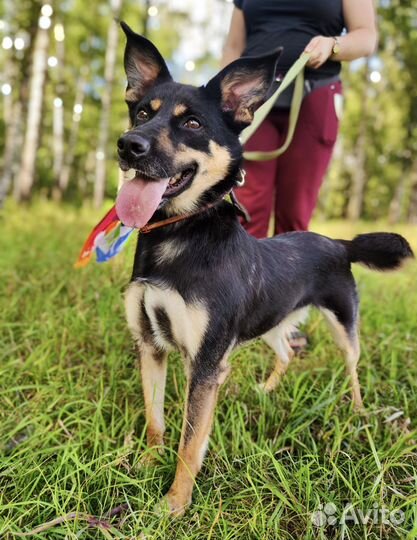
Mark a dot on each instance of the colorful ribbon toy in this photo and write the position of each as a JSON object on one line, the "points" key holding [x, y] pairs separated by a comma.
{"points": [[107, 239]]}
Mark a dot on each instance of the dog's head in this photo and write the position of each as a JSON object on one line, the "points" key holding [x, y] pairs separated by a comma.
{"points": [[184, 141]]}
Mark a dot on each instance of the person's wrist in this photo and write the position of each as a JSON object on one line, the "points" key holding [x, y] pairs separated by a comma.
{"points": [[335, 50]]}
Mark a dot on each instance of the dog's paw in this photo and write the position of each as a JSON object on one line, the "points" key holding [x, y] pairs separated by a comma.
{"points": [[151, 457], [266, 387], [262, 387], [172, 505]]}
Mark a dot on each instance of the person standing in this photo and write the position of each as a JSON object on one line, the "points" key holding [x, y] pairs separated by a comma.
{"points": [[287, 187]]}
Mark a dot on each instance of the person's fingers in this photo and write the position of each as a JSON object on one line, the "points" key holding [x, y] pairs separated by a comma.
{"points": [[319, 53], [312, 44], [316, 63], [319, 50], [319, 61], [316, 59]]}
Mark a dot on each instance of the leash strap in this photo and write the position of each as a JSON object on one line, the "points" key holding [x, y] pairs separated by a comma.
{"points": [[296, 72]]}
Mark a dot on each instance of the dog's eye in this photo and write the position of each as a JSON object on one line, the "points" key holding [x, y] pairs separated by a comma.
{"points": [[142, 115], [192, 123]]}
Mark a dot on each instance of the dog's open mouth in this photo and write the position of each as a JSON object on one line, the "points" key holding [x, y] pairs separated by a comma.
{"points": [[139, 198], [179, 182]]}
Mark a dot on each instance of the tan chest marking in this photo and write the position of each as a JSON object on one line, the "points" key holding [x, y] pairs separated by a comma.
{"points": [[188, 321], [168, 250]]}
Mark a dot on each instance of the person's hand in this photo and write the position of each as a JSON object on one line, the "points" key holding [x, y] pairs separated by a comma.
{"points": [[320, 49]]}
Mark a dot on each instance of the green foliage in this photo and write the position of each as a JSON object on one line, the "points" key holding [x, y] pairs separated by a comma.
{"points": [[72, 415], [386, 111]]}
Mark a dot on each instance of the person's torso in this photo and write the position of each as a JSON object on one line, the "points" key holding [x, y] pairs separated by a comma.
{"points": [[291, 24]]}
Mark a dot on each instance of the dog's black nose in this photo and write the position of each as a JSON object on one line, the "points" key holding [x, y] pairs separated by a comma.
{"points": [[132, 145]]}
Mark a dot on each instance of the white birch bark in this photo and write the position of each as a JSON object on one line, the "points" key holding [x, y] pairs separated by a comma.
{"points": [[12, 116], [26, 173], [110, 63], [68, 159], [355, 205], [58, 116]]}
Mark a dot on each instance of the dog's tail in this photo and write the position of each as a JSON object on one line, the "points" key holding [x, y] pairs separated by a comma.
{"points": [[380, 251]]}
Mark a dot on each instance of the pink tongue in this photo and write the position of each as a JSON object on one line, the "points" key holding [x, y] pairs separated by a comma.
{"points": [[138, 199]]}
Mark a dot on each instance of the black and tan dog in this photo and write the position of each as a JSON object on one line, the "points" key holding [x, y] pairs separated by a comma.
{"points": [[200, 283]]}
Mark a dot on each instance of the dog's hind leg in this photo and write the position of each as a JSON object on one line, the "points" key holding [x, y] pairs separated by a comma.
{"points": [[346, 337], [277, 339], [284, 353]]}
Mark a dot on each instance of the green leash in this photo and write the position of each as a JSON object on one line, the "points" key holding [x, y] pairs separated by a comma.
{"points": [[296, 72]]}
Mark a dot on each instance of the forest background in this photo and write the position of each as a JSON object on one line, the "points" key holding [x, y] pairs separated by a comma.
{"points": [[62, 83]]}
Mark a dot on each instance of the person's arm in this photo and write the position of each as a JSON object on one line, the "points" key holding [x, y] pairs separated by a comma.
{"points": [[361, 39], [236, 38]]}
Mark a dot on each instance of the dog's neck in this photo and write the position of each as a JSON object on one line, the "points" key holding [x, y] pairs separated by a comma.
{"points": [[181, 217], [203, 234], [208, 230], [211, 199]]}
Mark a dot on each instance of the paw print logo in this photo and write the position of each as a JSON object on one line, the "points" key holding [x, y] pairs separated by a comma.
{"points": [[325, 515]]}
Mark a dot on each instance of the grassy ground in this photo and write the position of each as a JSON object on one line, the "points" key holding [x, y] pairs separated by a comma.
{"points": [[72, 418]]}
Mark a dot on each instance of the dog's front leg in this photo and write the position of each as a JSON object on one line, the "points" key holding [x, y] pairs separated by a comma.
{"points": [[198, 418], [201, 400], [153, 366]]}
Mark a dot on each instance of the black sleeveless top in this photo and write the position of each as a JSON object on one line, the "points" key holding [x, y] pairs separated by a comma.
{"points": [[291, 24]]}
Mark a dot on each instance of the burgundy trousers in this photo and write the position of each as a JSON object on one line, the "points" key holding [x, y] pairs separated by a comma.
{"points": [[288, 186]]}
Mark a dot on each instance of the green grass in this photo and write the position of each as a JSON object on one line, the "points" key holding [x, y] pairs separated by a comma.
{"points": [[72, 416]]}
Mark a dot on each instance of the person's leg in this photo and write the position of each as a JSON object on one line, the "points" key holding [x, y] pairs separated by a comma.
{"points": [[257, 195], [302, 167]]}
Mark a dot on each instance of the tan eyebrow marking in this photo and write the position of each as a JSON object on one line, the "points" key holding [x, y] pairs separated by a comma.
{"points": [[155, 104], [165, 142], [179, 109]]}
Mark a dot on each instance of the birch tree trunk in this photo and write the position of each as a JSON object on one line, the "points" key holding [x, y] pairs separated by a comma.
{"points": [[58, 137], [145, 20], [355, 205], [396, 206], [12, 116], [399, 204], [68, 160], [13, 143], [58, 116], [412, 211], [26, 173], [110, 62]]}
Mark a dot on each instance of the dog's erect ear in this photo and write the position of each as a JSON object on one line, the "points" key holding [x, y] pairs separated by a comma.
{"points": [[243, 85], [143, 63]]}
